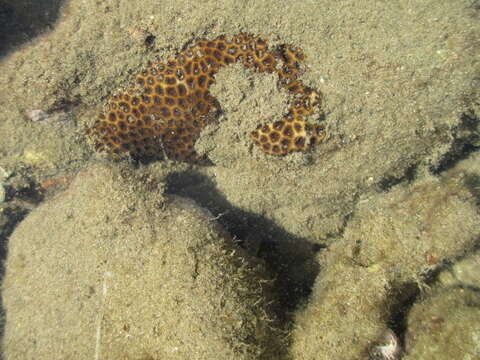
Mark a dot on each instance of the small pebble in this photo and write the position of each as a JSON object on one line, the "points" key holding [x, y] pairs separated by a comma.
{"points": [[2, 194], [37, 115]]}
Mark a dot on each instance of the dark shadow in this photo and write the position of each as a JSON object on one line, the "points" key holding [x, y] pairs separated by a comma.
{"points": [[408, 175], [19, 200], [466, 140], [11, 216], [22, 20], [405, 295], [289, 258]]}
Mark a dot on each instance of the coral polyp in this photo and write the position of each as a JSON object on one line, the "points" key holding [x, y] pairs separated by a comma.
{"points": [[170, 104]]}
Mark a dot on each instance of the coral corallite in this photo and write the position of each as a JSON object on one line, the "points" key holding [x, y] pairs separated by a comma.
{"points": [[171, 103]]}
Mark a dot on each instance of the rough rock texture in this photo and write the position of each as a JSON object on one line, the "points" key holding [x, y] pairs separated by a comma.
{"points": [[413, 229], [445, 326], [396, 81], [400, 101], [110, 268], [390, 244]]}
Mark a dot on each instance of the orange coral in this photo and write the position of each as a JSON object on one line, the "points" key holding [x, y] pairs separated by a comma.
{"points": [[171, 103]]}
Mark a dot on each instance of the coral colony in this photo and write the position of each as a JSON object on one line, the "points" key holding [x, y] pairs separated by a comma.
{"points": [[171, 103]]}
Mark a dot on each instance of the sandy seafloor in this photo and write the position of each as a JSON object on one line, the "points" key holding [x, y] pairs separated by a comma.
{"points": [[370, 237]]}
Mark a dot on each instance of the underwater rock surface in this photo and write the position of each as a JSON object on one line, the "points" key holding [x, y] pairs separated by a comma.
{"points": [[113, 269], [392, 243], [400, 101]]}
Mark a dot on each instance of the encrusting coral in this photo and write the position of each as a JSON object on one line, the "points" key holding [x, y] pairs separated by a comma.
{"points": [[171, 103]]}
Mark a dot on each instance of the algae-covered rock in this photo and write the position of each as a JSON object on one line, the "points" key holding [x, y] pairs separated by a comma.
{"points": [[392, 240], [349, 307], [414, 229], [445, 326], [110, 269], [399, 90], [465, 273]]}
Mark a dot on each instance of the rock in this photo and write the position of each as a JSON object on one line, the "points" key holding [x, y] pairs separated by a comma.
{"points": [[390, 243], [445, 326], [112, 269], [348, 309], [414, 229]]}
